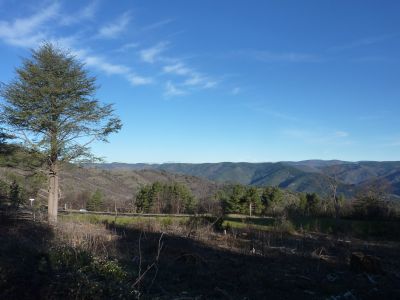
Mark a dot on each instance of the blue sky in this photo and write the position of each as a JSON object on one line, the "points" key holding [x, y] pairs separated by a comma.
{"points": [[210, 81]]}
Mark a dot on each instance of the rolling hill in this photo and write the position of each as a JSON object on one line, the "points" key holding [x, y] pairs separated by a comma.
{"points": [[302, 176], [117, 186], [123, 184], [119, 182]]}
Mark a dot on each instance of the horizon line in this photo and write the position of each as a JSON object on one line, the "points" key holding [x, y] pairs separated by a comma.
{"points": [[237, 162]]}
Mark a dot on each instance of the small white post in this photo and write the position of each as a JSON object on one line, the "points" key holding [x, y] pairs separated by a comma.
{"points": [[34, 216]]}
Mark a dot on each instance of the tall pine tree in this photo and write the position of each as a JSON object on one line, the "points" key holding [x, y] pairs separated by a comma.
{"points": [[50, 105]]}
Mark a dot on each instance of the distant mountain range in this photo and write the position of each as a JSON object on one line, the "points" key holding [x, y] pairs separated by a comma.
{"points": [[301, 176], [120, 181]]}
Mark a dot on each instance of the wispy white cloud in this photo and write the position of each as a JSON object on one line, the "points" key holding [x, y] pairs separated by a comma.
{"points": [[158, 24], [364, 42], [109, 68], [200, 80], [262, 108], [135, 79], [89, 10], [177, 69], [276, 57], [172, 90], [113, 30], [152, 54], [210, 84], [236, 90], [193, 78], [102, 64], [127, 47], [30, 31], [291, 57], [86, 13], [67, 43]]}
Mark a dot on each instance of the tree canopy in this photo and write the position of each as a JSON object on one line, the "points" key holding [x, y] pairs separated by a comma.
{"points": [[51, 105], [165, 198]]}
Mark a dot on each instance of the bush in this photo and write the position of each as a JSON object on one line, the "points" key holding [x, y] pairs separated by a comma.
{"points": [[95, 202], [284, 225], [370, 208]]}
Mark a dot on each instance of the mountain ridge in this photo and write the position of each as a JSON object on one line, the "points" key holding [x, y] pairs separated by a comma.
{"points": [[301, 176]]}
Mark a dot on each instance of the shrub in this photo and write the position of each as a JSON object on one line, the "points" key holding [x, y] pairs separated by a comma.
{"points": [[284, 225]]}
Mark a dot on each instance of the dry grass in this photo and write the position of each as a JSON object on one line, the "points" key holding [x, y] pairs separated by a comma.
{"points": [[166, 258], [100, 237], [94, 238]]}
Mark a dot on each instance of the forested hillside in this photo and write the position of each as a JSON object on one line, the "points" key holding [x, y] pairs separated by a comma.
{"points": [[303, 176], [117, 187]]}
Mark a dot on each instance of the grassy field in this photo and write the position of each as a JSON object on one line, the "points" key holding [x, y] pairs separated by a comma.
{"points": [[122, 220], [364, 229]]}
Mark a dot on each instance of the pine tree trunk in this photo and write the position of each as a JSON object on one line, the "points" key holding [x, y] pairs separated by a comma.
{"points": [[53, 194], [337, 208], [336, 204]]}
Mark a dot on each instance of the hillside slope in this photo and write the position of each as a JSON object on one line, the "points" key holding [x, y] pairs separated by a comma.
{"points": [[117, 186]]}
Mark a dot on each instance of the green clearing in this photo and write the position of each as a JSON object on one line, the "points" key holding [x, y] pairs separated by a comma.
{"points": [[241, 221], [123, 220], [364, 229], [357, 228]]}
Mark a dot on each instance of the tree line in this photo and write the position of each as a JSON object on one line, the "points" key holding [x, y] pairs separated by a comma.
{"points": [[12, 195], [269, 200], [168, 198], [372, 202], [177, 198], [165, 198]]}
